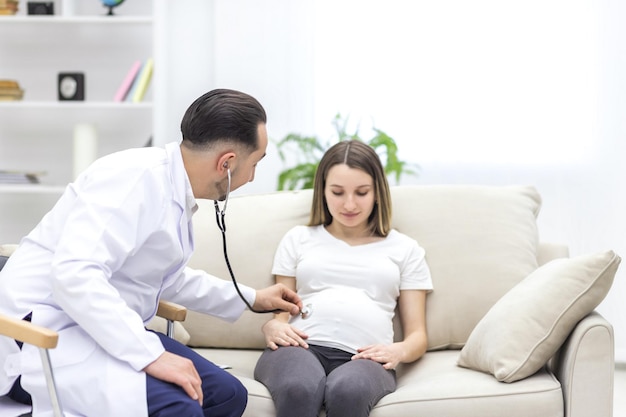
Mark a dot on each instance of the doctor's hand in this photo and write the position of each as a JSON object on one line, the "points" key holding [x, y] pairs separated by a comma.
{"points": [[278, 297], [177, 370], [278, 333]]}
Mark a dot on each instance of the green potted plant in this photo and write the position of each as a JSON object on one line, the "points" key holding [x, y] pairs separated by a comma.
{"points": [[305, 153]]}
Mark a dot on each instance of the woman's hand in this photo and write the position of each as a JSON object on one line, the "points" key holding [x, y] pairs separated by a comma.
{"points": [[279, 333], [389, 355]]}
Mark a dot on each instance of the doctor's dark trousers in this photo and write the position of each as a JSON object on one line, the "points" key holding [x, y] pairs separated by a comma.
{"points": [[224, 395]]}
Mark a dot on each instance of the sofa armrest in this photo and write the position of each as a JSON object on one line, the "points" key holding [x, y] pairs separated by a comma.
{"points": [[585, 366]]}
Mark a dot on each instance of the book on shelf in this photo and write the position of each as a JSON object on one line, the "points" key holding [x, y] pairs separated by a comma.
{"points": [[19, 177], [133, 87], [10, 90], [127, 83], [143, 81]]}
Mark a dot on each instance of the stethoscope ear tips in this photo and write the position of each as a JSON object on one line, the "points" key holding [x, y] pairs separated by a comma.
{"points": [[306, 311]]}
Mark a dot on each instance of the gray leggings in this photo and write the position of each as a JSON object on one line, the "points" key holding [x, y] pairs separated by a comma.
{"points": [[301, 381]]}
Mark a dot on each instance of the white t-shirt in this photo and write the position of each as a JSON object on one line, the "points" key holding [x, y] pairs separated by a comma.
{"points": [[353, 290]]}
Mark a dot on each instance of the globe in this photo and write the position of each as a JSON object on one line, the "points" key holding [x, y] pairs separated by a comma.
{"points": [[111, 4]]}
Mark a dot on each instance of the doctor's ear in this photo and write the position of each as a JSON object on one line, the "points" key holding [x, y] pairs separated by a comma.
{"points": [[225, 161]]}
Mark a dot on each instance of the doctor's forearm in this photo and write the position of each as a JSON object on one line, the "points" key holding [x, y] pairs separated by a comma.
{"points": [[204, 293]]}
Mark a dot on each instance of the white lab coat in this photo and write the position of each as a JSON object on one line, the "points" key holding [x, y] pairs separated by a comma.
{"points": [[94, 269]]}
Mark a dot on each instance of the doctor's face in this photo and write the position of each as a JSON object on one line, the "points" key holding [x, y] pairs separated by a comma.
{"points": [[245, 168]]}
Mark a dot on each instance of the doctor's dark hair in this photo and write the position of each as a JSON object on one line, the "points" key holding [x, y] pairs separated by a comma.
{"points": [[358, 155], [223, 115]]}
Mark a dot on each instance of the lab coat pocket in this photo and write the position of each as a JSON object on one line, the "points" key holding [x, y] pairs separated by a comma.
{"points": [[74, 346]]}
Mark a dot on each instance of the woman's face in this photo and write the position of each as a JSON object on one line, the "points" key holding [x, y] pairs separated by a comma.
{"points": [[349, 194]]}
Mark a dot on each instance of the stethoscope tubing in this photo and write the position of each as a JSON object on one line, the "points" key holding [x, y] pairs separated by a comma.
{"points": [[220, 219]]}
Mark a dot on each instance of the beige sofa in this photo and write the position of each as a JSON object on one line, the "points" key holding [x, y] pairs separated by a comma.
{"points": [[510, 333], [512, 329]]}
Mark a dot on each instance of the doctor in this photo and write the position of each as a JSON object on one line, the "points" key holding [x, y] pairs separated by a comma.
{"points": [[116, 242]]}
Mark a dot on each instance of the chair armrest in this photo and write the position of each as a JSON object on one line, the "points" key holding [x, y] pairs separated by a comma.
{"points": [[585, 367], [171, 311], [42, 337], [27, 332]]}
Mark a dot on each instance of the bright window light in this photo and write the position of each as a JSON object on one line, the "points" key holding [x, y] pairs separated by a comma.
{"points": [[463, 81]]}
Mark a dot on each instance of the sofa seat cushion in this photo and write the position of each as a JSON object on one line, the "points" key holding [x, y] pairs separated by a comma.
{"points": [[434, 385]]}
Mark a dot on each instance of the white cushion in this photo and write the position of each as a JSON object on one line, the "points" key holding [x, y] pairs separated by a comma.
{"points": [[7, 249], [525, 328], [480, 241]]}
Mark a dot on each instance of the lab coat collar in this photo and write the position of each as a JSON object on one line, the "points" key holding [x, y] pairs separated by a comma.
{"points": [[179, 175]]}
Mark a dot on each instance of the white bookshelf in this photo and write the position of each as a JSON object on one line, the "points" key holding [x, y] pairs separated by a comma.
{"points": [[36, 133]]}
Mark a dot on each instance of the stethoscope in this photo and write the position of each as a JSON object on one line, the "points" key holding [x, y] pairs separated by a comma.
{"points": [[220, 215]]}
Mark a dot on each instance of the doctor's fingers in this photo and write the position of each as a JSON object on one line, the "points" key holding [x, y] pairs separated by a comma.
{"points": [[194, 389], [190, 381], [278, 297], [178, 370]]}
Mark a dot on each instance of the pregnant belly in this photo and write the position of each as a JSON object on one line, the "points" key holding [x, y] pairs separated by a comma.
{"points": [[346, 318]]}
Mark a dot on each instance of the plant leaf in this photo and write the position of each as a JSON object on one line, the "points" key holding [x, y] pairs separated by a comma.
{"points": [[300, 175], [308, 151]]}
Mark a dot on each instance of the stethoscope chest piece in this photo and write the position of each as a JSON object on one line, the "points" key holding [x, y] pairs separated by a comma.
{"points": [[306, 311]]}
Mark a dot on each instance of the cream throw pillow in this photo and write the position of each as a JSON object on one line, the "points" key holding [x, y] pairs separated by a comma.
{"points": [[526, 327]]}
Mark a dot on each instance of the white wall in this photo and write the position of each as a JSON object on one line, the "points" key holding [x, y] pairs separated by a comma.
{"points": [[184, 67], [486, 92], [266, 49], [262, 48]]}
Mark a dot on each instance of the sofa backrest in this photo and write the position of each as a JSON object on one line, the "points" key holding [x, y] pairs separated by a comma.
{"points": [[479, 240]]}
